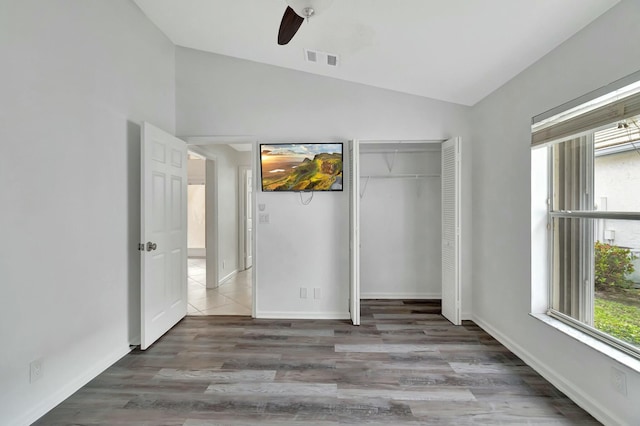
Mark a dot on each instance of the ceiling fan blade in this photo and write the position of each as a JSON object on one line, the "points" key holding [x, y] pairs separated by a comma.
{"points": [[291, 21]]}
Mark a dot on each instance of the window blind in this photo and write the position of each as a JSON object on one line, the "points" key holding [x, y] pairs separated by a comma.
{"points": [[614, 111]]}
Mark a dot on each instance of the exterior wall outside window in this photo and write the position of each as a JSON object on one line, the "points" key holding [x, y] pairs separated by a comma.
{"points": [[610, 195]]}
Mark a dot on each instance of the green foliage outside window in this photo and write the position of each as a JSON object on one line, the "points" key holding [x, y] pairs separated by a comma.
{"points": [[618, 319], [612, 265]]}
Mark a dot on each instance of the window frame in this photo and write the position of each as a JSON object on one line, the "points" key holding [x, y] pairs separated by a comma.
{"points": [[542, 121], [579, 214]]}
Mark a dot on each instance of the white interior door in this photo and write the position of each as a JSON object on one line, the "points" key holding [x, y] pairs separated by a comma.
{"points": [[164, 233], [248, 234], [451, 230], [354, 222]]}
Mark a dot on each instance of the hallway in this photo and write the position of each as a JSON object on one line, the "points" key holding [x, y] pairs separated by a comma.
{"points": [[233, 297]]}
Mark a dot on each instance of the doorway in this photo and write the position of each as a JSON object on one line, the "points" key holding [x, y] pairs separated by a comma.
{"points": [[220, 277], [400, 220], [405, 223]]}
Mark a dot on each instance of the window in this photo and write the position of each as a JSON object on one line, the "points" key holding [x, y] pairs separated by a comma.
{"points": [[592, 175]]}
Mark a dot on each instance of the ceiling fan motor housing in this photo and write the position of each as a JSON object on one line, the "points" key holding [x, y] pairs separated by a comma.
{"points": [[308, 8]]}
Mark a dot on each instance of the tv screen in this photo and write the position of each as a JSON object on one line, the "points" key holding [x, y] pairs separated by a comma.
{"points": [[301, 167]]}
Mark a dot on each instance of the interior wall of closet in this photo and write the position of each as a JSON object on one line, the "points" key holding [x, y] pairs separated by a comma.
{"points": [[400, 220]]}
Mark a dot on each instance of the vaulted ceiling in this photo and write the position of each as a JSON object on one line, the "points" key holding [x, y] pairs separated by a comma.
{"points": [[453, 50]]}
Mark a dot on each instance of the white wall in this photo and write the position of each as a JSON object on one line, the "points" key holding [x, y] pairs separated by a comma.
{"points": [[400, 224], [196, 221], [196, 213], [196, 171], [303, 246], [501, 206], [77, 79]]}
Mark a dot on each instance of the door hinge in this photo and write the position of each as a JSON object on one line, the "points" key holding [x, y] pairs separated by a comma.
{"points": [[140, 246]]}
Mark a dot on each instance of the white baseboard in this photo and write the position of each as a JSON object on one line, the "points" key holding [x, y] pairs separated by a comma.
{"points": [[227, 277], [391, 295], [71, 387], [302, 315], [594, 408], [135, 341], [466, 316]]}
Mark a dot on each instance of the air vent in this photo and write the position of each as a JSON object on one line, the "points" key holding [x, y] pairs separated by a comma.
{"points": [[311, 56], [317, 57]]}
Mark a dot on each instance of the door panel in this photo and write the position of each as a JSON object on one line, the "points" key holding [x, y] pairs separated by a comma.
{"points": [[451, 230], [164, 233]]}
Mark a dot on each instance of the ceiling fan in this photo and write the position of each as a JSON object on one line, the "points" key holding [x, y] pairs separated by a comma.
{"points": [[295, 13]]}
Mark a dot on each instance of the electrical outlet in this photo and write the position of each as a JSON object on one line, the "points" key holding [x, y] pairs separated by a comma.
{"points": [[303, 293], [619, 381], [35, 370], [223, 265], [316, 293], [263, 218]]}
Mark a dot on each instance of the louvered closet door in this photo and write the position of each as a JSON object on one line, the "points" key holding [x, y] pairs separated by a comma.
{"points": [[451, 230]]}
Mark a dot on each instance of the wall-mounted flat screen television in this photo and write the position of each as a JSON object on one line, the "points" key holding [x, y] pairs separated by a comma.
{"points": [[301, 167]]}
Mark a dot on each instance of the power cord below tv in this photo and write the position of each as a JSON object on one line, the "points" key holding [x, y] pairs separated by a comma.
{"points": [[305, 203]]}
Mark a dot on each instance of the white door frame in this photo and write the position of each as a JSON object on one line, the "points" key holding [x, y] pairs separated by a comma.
{"points": [[354, 230], [242, 216], [193, 143]]}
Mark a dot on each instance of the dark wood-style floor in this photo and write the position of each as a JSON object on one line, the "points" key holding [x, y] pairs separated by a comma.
{"points": [[404, 365]]}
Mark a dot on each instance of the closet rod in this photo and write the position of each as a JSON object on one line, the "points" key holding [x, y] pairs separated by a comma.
{"points": [[399, 176], [398, 151], [401, 141]]}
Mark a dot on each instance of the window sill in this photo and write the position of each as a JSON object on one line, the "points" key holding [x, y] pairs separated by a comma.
{"points": [[595, 344]]}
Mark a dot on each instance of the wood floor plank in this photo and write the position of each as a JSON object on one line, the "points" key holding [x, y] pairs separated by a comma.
{"points": [[405, 364]]}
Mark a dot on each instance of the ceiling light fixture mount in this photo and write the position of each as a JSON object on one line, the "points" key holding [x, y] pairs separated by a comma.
{"points": [[308, 12]]}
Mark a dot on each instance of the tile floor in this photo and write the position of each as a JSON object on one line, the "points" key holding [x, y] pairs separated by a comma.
{"points": [[232, 298]]}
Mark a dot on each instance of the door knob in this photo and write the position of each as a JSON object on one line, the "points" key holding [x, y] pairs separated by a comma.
{"points": [[151, 246]]}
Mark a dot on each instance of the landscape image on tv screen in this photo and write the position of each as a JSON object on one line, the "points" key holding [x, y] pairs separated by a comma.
{"points": [[301, 167]]}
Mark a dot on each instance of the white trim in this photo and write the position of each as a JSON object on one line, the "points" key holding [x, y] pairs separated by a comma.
{"points": [[255, 167], [227, 277], [392, 295], [466, 316], [212, 235], [212, 140], [593, 407], [196, 252], [303, 315], [594, 343], [354, 231], [70, 387]]}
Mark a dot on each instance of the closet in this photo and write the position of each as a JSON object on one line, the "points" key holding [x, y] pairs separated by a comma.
{"points": [[400, 223]]}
